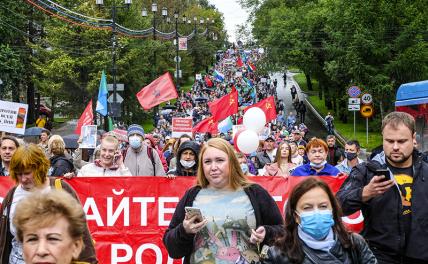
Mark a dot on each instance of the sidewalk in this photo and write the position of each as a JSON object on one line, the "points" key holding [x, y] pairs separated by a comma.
{"points": [[313, 120]]}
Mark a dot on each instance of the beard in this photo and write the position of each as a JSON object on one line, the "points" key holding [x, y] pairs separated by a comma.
{"points": [[402, 159]]}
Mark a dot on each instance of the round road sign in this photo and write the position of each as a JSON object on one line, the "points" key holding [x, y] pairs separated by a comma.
{"points": [[354, 91], [367, 98], [366, 111]]}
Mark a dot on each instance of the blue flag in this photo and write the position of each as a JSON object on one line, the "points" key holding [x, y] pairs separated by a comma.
{"points": [[102, 96]]}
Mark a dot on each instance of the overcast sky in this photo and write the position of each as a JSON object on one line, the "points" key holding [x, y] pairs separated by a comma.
{"points": [[233, 15]]}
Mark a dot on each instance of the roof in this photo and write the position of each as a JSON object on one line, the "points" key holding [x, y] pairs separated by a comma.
{"points": [[412, 93]]}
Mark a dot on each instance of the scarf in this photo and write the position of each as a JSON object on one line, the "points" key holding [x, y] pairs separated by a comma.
{"points": [[324, 245]]}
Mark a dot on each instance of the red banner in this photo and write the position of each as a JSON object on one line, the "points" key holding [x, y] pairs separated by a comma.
{"points": [[127, 216]]}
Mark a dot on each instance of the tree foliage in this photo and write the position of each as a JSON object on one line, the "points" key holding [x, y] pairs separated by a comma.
{"points": [[377, 45], [64, 61]]}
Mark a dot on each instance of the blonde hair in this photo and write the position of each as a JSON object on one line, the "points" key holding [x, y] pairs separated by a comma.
{"points": [[40, 210], [29, 157], [56, 145], [237, 178], [111, 139]]}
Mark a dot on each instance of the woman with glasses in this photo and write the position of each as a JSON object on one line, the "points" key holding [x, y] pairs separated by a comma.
{"points": [[316, 149]]}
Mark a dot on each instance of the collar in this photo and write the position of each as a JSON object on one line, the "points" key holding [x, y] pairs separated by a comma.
{"points": [[97, 163], [344, 162]]}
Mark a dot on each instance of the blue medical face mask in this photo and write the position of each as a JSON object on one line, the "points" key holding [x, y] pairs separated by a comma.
{"points": [[135, 142], [316, 223], [244, 168], [317, 165]]}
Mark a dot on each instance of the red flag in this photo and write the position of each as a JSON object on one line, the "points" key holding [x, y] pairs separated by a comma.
{"points": [[251, 67], [225, 106], [85, 119], [208, 125], [239, 62], [160, 90], [208, 81], [268, 106]]}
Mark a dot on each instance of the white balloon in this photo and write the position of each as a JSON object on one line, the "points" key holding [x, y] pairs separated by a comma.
{"points": [[254, 119], [247, 141]]}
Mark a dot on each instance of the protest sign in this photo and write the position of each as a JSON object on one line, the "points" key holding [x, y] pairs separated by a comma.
{"points": [[181, 126], [89, 137], [128, 216], [13, 117]]}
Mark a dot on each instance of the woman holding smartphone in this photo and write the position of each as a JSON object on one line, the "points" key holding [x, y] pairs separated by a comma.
{"points": [[110, 162], [237, 217]]}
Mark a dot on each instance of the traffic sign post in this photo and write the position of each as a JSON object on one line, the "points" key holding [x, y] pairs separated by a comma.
{"points": [[367, 112], [354, 102], [366, 98]]}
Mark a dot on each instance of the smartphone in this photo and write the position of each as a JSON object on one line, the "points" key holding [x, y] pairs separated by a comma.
{"points": [[194, 211], [385, 173], [116, 157]]}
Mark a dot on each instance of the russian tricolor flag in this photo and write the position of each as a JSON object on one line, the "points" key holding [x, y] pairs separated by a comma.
{"points": [[218, 76]]}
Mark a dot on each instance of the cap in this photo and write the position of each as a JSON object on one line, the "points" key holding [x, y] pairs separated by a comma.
{"points": [[270, 138], [135, 129]]}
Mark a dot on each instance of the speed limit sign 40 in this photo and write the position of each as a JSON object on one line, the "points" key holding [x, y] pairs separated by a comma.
{"points": [[366, 98]]}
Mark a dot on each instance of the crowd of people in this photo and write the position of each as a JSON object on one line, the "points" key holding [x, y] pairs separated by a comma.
{"points": [[389, 189]]}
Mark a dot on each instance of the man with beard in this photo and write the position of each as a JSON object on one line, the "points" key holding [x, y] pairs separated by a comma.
{"points": [[391, 191]]}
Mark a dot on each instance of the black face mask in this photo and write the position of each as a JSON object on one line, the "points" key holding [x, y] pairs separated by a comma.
{"points": [[350, 156]]}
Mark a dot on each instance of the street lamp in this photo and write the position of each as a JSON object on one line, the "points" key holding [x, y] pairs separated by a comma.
{"points": [[1, 89], [177, 60], [115, 109]]}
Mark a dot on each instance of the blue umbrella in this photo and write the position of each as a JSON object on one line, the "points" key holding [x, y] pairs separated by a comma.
{"points": [[33, 131], [71, 141]]}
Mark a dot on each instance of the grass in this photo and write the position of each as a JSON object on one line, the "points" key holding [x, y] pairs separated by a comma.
{"points": [[345, 129]]}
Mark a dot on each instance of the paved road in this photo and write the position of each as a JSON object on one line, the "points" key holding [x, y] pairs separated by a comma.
{"points": [[316, 128]]}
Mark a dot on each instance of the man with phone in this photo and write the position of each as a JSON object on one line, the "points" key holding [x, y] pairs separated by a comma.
{"points": [[391, 191]]}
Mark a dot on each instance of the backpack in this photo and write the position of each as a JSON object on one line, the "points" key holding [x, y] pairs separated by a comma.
{"points": [[152, 159]]}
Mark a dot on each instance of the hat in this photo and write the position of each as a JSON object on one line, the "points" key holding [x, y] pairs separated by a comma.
{"points": [[301, 147], [270, 138], [151, 139], [135, 129]]}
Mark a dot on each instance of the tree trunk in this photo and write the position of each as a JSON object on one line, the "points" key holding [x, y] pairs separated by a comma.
{"points": [[53, 108], [308, 81]]}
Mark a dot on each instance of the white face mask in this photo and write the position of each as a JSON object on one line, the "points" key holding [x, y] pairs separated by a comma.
{"points": [[135, 142], [187, 164]]}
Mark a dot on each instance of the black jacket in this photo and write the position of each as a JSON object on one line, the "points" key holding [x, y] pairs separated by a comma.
{"points": [[180, 244], [179, 170], [337, 254], [383, 221], [337, 154], [60, 165]]}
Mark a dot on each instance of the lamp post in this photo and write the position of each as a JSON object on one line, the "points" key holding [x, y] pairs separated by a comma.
{"points": [[1, 89], [177, 59], [154, 73], [100, 3]]}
